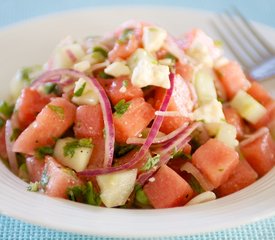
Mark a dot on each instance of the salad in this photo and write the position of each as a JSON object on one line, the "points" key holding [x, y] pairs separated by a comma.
{"points": [[138, 119]]}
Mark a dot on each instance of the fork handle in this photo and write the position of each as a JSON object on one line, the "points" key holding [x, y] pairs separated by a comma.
{"points": [[264, 70]]}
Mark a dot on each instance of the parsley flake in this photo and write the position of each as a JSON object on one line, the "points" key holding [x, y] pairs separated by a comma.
{"points": [[6, 109], [41, 152], [125, 83], [51, 88], [58, 110], [15, 134], [33, 187], [151, 162], [103, 75], [2, 122], [195, 185], [84, 193], [70, 147], [80, 91], [121, 107], [101, 50], [171, 56], [92, 197], [125, 36], [140, 196]]}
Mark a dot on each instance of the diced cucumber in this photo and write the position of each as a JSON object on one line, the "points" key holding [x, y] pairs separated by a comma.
{"points": [[78, 160], [117, 69], [84, 94], [204, 85], [116, 187], [248, 107], [153, 38], [146, 73]]}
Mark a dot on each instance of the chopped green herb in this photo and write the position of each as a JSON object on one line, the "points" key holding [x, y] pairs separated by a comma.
{"points": [[6, 109], [101, 50], [125, 83], [121, 107], [23, 172], [141, 197], [21, 159], [121, 150], [91, 196], [221, 100], [180, 154], [193, 182], [15, 134], [25, 73], [75, 193], [151, 162], [126, 35], [44, 178], [84, 193], [51, 88], [103, 75], [70, 147], [171, 56], [2, 122], [80, 91], [41, 152], [33, 187], [58, 110]]}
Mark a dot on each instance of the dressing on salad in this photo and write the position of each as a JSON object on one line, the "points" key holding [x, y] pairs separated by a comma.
{"points": [[138, 119]]}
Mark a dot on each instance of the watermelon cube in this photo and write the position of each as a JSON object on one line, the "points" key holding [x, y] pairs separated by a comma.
{"points": [[260, 152], [243, 176], [129, 124], [216, 161], [167, 189]]}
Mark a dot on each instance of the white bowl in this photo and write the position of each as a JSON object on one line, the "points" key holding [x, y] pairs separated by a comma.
{"points": [[31, 42]]}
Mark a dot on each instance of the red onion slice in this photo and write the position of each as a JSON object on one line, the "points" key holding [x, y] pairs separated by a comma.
{"points": [[9, 144], [165, 152], [145, 147], [251, 138], [104, 102], [143, 177], [190, 168], [136, 140]]}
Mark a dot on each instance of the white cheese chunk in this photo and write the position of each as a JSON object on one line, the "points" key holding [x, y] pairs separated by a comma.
{"points": [[227, 134], [137, 56], [153, 38], [117, 69], [147, 73], [82, 66], [209, 113]]}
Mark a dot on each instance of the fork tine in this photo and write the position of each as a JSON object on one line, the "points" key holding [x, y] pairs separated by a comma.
{"points": [[230, 45], [247, 38], [253, 31], [237, 37]]}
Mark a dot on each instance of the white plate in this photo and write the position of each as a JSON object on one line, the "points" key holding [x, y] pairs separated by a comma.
{"points": [[31, 42]]}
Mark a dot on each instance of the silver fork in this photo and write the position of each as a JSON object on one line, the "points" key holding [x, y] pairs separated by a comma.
{"points": [[249, 47]]}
